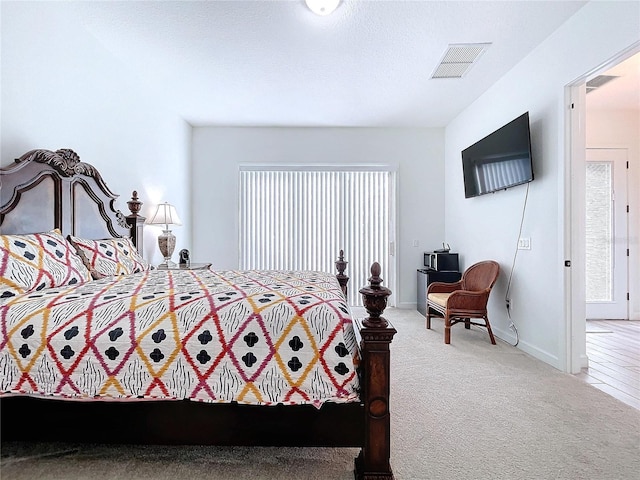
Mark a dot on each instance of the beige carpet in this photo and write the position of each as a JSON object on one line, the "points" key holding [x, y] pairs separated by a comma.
{"points": [[468, 410]]}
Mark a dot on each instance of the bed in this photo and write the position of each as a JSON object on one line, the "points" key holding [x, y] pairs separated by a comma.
{"points": [[197, 359]]}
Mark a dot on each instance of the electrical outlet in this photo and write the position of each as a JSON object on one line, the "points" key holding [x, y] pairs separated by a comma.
{"points": [[416, 243], [524, 243]]}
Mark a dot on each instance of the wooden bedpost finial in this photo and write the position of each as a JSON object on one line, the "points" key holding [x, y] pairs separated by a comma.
{"points": [[341, 266], [376, 336], [134, 204], [374, 298]]}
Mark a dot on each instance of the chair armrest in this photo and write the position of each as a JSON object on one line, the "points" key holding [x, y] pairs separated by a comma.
{"points": [[466, 299], [443, 287]]}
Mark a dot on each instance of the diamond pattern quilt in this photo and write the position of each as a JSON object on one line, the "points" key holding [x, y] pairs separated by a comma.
{"points": [[257, 337]]}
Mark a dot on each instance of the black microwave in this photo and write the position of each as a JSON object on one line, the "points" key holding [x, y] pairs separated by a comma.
{"points": [[441, 261]]}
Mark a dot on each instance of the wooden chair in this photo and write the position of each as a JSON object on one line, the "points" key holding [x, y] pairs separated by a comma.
{"points": [[463, 300]]}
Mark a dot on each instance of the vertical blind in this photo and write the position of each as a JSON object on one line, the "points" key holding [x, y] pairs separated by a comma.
{"points": [[599, 232], [293, 219]]}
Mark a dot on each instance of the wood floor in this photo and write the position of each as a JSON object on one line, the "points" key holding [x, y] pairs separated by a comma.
{"points": [[613, 349]]}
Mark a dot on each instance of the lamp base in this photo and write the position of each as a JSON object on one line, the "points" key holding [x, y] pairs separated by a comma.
{"points": [[167, 244], [167, 265]]}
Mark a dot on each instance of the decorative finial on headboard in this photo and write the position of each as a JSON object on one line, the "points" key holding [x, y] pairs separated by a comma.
{"points": [[374, 298], [341, 266], [134, 204]]}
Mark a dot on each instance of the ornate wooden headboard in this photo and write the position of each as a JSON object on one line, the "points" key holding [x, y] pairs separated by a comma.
{"points": [[44, 190]]}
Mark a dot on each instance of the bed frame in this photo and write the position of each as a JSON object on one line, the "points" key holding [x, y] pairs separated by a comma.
{"points": [[44, 190]]}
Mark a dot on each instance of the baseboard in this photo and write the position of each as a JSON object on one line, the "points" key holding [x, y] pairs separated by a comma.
{"points": [[407, 305], [526, 347], [505, 336], [584, 361]]}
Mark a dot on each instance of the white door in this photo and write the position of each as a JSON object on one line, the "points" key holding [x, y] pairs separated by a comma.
{"points": [[606, 234]]}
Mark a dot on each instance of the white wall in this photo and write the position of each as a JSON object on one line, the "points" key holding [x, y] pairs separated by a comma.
{"points": [[62, 89], [487, 226], [417, 153], [621, 129]]}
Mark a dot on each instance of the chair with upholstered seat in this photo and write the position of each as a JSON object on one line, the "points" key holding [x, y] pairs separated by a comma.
{"points": [[463, 300]]}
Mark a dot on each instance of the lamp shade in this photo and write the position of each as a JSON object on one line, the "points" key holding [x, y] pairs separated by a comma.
{"points": [[165, 214]]}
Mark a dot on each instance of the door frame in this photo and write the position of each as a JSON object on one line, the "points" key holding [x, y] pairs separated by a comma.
{"points": [[574, 211]]}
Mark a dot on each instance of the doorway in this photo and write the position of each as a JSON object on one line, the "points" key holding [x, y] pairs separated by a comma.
{"points": [[610, 129], [606, 234]]}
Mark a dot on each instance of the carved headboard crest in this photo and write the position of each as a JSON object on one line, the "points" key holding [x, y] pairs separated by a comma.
{"points": [[63, 193], [65, 161]]}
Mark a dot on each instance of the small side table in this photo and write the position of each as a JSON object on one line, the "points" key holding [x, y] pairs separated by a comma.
{"points": [[189, 266]]}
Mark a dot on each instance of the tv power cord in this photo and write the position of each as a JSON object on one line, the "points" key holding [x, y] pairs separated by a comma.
{"points": [[507, 299], [512, 326]]}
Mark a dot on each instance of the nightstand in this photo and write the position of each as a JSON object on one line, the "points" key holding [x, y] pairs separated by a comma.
{"points": [[190, 266]]}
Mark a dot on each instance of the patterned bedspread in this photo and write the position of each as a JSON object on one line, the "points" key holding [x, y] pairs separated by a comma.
{"points": [[259, 337]]}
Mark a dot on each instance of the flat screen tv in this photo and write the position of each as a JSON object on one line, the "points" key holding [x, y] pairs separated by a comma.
{"points": [[500, 160]]}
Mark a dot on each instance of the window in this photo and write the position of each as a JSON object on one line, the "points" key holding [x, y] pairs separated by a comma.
{"points": [[299, 219], [599, 232]]}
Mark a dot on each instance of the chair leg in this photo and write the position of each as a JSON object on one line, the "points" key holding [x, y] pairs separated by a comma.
{"points": [[447, 330], [486, 321], [467, 323], [428, 318]]}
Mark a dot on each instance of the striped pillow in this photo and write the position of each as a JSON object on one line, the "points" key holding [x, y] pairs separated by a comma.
{"points": [[111, 256], [37, 261]]}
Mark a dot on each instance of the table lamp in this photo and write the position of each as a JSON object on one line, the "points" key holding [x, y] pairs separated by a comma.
{"points": [[166, 215]]}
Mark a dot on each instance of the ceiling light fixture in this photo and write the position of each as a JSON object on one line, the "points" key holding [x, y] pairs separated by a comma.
{"points": [[322, 7]]}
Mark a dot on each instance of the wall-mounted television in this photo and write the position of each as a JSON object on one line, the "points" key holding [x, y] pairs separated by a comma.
{"points": [[500, 160]]}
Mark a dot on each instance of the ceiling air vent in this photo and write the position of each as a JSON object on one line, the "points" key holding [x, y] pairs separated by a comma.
{"points": [[599, 81], [457, 60]]}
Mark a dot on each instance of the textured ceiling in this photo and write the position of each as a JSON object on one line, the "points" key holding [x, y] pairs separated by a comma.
{"points": [[275, 63]]}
